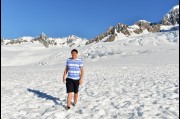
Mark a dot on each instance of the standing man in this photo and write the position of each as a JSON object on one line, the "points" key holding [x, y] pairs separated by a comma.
{"points": [[75, 71]]}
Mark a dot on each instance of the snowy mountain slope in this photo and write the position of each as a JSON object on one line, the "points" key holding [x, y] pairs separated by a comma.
{"points": [[139, 45], [44, 40], [31, 54], [139, 39]]}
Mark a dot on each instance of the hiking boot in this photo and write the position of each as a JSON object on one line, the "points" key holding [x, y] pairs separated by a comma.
{"points": [[67, 108], [74, 104]]}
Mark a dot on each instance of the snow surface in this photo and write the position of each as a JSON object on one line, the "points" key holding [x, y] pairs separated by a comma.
{"points": [[131, 78], [169, 27]]}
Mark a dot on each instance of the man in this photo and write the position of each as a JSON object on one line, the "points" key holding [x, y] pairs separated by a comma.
{"points": [[75, 71]]}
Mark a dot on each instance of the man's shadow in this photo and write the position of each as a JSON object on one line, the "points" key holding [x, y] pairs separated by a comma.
{"points": [[46, 96]]}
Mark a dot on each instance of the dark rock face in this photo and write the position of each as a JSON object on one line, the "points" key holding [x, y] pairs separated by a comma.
{"points": [[111, 38], [42, 39], [138, 31], [172, 17], [122, 28], [155, 28], [112, 32], [143, 24], [151, 27], [2, 41]]}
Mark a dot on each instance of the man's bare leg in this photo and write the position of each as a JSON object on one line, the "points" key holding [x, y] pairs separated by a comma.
{"points": [[69, 99], [75, 98]]}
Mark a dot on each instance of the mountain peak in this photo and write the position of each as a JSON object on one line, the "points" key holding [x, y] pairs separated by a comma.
{"points": [[43, 35], [175, 7], [172, 17], [144, 21], [73, 36]]}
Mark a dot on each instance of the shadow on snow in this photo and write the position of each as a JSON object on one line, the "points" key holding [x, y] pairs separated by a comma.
{"points": [[46, 96]]}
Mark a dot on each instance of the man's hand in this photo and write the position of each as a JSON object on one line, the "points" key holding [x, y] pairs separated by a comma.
{"points": [[81, 76], [64, 76], [80, 81], [64, 81]]}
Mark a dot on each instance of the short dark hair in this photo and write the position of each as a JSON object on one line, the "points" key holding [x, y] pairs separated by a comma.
{"points": [[74, 50]]}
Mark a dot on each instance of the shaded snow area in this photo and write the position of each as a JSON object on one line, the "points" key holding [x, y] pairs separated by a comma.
{"points": [[116, 92]]}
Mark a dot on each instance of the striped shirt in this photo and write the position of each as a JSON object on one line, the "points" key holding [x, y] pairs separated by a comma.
{"points": [[73, 67]]}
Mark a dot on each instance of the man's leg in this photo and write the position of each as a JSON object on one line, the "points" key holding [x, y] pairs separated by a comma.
{"points": [[76, 88], [69, 99], [75, 97]]}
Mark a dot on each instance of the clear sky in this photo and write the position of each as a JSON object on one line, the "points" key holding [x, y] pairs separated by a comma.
{"points": [[83, 18]]}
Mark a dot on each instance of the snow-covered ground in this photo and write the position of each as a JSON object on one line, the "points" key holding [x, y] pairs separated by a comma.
{"points": [[131, 78], [127, 92]]}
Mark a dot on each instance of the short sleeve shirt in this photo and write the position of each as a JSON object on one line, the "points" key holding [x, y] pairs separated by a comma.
{"points": [[74, 67]]}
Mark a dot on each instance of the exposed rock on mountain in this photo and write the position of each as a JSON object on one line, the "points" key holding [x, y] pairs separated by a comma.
{"points": [[142, 26], [46, 41], [126, 30], [43, 38], [172, 17]]}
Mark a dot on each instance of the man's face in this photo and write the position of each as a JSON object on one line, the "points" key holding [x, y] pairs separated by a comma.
{"points": [[74, 55]]}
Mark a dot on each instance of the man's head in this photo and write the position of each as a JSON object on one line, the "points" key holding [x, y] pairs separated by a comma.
{"points": [[74, 54]]}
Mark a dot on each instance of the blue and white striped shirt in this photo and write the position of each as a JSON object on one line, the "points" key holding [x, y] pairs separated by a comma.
{"points": [[73, 67]]}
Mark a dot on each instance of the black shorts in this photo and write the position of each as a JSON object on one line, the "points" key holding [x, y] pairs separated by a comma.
{"points": [[72, 85]]}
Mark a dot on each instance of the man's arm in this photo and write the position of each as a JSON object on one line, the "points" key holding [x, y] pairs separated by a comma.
{"points": [[64, 76], [81, 76]]}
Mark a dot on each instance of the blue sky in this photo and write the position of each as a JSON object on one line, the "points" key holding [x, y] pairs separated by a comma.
{"points": [[83, 18]]}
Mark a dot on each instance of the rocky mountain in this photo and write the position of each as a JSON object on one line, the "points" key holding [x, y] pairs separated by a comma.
{"points": [[140, 27], [119, 31], [46, 41], [172, 17], [15, 41]]}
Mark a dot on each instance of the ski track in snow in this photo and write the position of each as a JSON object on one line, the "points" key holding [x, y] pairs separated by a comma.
{"points": [[119, 92]]}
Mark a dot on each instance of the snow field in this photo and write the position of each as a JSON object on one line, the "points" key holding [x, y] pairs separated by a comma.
{"points": [[132, 92]]}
